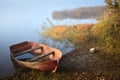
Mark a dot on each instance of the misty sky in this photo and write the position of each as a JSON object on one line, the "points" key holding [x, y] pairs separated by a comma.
{"points": [[34, 12], [22, 18]]}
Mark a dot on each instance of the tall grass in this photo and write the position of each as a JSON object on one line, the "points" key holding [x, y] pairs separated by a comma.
{"points": [[55, 32], [77, 34]]}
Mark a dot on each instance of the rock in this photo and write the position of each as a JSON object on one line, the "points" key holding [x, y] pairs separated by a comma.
{"points": [[92, 50]]}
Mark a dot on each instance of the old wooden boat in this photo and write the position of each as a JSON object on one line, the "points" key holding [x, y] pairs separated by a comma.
{"points": [[44, 58]]}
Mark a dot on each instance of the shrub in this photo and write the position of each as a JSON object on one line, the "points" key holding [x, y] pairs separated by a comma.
{"points": [[107, 32]]}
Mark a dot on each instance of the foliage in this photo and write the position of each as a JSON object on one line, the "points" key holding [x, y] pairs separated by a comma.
{"points": [[113, 6], [76, 34], [107, 31]]}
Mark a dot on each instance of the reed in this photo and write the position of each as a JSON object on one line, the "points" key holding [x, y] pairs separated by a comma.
{"points": [[77, 34]]}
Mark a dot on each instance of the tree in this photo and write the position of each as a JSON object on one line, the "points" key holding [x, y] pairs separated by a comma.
{"points": [[113, 6]]}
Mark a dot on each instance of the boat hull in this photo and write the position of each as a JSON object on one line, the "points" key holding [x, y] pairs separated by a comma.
{"points": [[50, 64]]}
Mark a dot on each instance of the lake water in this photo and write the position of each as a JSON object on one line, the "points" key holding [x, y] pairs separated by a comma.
{"points": [[12, 34]]}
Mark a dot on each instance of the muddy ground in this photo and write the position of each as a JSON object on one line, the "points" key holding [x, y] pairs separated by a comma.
{"points": [[80, 60]]}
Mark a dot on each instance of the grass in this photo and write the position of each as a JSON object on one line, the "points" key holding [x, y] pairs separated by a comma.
{"points": [[107, 33], [55, 32], [76, 34], [35, 75]]}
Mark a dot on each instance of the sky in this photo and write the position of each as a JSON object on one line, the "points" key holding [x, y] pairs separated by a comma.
{"points": [[35, 12], [21, 18]]}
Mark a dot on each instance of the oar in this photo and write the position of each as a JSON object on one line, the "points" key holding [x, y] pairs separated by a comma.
{"points": [[40, 56], [26, 51]]}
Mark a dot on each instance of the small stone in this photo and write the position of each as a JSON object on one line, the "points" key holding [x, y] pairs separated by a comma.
{"points": [[92, 50]]}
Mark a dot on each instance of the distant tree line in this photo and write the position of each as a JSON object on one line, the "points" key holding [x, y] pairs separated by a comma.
{"points": [[79, 13]]}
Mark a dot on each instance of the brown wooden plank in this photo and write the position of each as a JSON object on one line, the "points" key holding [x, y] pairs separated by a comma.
{"points": [[26, 51], [40, 57]]}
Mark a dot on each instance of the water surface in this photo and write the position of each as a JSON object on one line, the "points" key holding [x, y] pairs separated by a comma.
{"points": [[16, 33], [10, 35]]}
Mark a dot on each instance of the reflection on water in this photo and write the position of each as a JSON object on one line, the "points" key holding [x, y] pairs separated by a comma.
{"points": [[6, 67], [25, 56]]}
